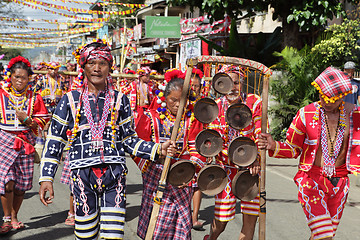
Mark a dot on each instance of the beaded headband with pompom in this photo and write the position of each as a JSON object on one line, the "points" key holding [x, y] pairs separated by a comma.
{"points": [[85, 53], [170, 74]]}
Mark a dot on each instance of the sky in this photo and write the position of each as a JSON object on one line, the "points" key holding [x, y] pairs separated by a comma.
{"points": [[30, 13]]}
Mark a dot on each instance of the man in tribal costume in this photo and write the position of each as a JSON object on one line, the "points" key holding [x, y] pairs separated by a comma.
{"points": [[225, 202], [95, 122], [324, 136], [51, 86]]}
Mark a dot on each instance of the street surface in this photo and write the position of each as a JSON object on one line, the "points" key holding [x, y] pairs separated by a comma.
{"points": [[284, 220]]}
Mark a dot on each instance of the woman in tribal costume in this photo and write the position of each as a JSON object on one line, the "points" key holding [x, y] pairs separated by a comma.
{"points": [[174, 219], [22, 113]]}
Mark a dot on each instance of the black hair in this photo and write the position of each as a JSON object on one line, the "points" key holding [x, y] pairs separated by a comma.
{"points": [[173, 84], [197, 77], [21, 65]]}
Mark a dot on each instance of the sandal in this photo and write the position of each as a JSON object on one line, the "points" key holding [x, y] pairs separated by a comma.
{"points": [[6, 227], [17, 225], [70, 220], [198, 225]]}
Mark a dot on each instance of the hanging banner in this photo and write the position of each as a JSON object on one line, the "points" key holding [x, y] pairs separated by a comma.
{"points": [[189, 49], [162, 27], [137, 31], [116, 39]]}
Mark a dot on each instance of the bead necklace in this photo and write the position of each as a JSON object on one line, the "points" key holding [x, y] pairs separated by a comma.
{"points": [[332, 141], [330, 157], [17, 102], [97, 129], [19, 93], [72, 133]]}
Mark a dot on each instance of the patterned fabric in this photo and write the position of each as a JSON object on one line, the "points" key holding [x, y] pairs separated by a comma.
{"points": [[323, 202], [52, 65], [108, 183], [134, 94], [90, 52], [332, 83], [329, 160], [7, 157], [354, 95], [225, 201], [12, 161], [33, 106], [66, 172], [144, 71], [174, 219], [21, 172], [302, 139], [230, 69], [51, 90], [81, 153], [17, 140]]}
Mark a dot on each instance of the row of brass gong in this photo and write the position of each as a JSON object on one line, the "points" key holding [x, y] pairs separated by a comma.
{"points": [[242, 151]]}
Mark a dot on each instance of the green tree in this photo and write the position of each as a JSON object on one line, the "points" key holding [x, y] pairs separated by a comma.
{"points": [[290, 87], [10, 52], [310, 15], [340, 43]]}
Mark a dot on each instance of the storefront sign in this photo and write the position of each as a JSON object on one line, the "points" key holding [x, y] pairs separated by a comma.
{"points": [[162, 27]]}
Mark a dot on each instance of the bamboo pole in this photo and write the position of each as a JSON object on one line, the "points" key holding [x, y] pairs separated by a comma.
{"points": [[264, 120], [162, 181]]}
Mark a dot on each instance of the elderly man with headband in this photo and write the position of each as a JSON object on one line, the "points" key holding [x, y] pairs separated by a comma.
{"points": [[323, 135], [95, 123], [225, 202]]}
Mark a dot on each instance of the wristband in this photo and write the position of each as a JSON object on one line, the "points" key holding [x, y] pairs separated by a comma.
{"points": [[25, 119]]}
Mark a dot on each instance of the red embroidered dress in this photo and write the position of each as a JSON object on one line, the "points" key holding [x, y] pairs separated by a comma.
{"points": [[174, 220], [16, 138]]}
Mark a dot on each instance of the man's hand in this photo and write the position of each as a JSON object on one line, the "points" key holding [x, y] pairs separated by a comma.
{"points": [[255, 168], [46, 187], [265, 141]]}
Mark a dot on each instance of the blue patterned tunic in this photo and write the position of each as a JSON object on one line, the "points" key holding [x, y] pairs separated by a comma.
{"points": [[81, 153]]}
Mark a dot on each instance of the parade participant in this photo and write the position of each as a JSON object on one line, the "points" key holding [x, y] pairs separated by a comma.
{"points": [[140, 92], [354, 97], [196, 77], [225, 202], [51, 86], [22, 113], [124, 84], [174, 219], [95, 122], [71, 81], [323, 136]]}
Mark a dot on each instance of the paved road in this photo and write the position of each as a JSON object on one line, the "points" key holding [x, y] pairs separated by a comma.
{"points": [[285, 219]]}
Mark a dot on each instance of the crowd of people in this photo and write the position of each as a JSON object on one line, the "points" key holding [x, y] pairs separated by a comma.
{"points": [[90, 121]]}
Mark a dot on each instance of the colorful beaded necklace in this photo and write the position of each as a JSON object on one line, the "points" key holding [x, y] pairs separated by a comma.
{"points": [[331, 153]]}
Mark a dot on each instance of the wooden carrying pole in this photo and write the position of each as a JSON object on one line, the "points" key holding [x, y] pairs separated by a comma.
{"points": [[162, 181], [264, 120]]}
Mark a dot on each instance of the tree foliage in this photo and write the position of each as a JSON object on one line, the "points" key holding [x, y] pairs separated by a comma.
{"points": [[10, 52], [339, 43], [291, 88], [296, 15], [257, 48]]}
